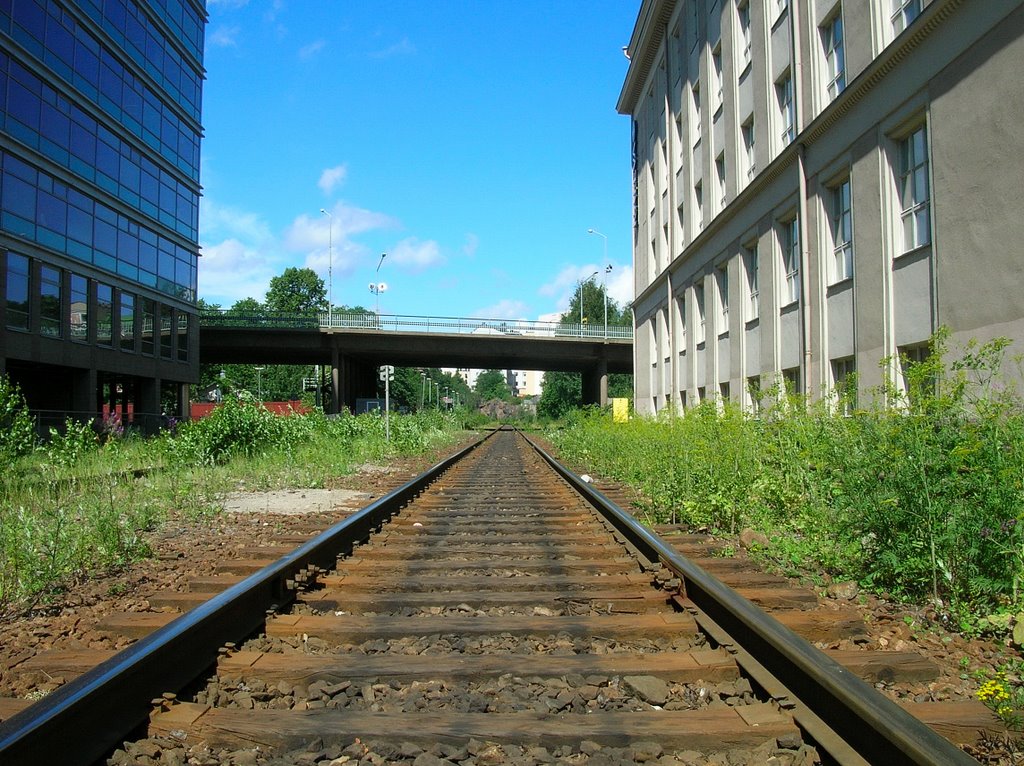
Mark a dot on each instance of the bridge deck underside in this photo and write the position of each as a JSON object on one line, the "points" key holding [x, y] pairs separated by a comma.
{"points": [[231, 345]]}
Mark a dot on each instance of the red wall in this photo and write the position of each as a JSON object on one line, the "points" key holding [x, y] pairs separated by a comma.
{"points": [[202, 409]]}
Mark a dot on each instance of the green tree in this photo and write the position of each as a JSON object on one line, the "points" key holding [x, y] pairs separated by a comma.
{"points": [[296, 291], [563, 391], [246, 306], [492, 384]]}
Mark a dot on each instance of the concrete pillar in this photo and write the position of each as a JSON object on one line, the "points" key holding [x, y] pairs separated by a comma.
{"points": [[147, 405], [336, 377], [84, 395], [595, 384], [184, 403]]}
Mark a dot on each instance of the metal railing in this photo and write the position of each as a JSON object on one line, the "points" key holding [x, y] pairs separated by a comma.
{"points": [[408, 323]]}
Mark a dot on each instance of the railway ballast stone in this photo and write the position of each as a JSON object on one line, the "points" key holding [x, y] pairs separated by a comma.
{"points": [[648, 688]]}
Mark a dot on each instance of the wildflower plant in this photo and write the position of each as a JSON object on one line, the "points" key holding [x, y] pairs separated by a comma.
{"points": [[996, 694]]}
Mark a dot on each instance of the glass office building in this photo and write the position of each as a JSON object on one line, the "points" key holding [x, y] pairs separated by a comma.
{"points": [[99, 203]]}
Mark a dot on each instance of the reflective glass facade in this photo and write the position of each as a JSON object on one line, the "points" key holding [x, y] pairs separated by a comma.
{"points": [[99, 184]]}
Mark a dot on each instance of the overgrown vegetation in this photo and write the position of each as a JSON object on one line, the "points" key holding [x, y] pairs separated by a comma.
{"points": [[78, 503], [921, 497]]}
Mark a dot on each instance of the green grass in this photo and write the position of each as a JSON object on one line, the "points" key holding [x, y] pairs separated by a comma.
{"points": [[922, 498], [73, 507]]}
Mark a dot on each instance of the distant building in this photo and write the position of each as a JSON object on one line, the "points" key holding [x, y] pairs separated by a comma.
{"points": [[818, 186], [99, 203]]}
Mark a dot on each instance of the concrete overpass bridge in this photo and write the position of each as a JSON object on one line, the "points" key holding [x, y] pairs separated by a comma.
{"points": [[354, 346]]}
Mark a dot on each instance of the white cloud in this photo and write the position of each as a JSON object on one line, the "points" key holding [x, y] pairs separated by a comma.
{"points": [[402, 48], [330, 178], [231, 270], [562, 288], [221, 222], [307, 52], [503, 309], [224, 37], [471, 245], [416, 255]]}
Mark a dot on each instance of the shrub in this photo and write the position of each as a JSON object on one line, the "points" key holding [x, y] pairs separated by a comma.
{"points": [[17, 430]]}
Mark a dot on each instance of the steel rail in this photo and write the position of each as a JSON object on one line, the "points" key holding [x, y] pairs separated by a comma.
{"points": [[878, 729], [83, 720]]}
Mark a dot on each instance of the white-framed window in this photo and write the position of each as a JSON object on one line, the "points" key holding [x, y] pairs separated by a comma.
{"points": [[754, 393], [791, 380], [913, 190], [787, 113], [919, 383], [716, 74], [681, 324], [841, 220], [695, 113], [743, 16], [720, 179], [680, 139], [750, 267], [723, 392], [698, 202], [698, 302], [835, 56], [903, 14], [844, 382], [749, 160], [722, 284], [789, 243]]}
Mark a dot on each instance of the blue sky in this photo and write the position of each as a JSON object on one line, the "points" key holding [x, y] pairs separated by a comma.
{"points": [[473, 142]]}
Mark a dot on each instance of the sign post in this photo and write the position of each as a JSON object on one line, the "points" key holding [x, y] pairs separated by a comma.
{"points": [[387, 374]]}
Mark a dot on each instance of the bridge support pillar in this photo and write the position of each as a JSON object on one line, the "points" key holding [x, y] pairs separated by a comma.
{"points": [[337, 360], [595, 384]]}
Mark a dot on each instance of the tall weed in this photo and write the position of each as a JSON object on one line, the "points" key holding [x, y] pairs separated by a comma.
{"points": [[921, 496]]}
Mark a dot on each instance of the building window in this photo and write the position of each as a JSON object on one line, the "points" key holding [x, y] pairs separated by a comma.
{"points": [[747, 133], [844, 377], [918, 377], [49, 302], [743, 15], [183, 321], [913, 190], [835, 58], [791, 380], [754, 393], [680, 138], [104, 314], [750, 267], [79, 308], [720, 178], [695, 114], [716, 75], [17, 291], [698, 200], [165, 331], [723, 392], [681, 324], [903, 14], [722, 279], [698, 299], [148, 319], [842, 232], [790, 245], [787, 116], [127, 322]]}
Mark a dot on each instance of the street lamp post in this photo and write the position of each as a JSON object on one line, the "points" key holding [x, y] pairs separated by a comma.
{"points": [[423, 386], [259, 383], [604, 284], [330, 266]]}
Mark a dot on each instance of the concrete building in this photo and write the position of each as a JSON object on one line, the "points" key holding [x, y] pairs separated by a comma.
{"points": [[818, 186], [99, 203]]}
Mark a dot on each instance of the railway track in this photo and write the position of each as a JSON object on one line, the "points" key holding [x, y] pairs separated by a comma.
{"points": [[494, 609]]}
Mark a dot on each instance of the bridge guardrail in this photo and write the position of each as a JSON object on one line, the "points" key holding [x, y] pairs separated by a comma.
{"points": [[409, 323]]}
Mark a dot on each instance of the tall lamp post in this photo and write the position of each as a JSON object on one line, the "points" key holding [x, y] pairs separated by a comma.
{"points": [[378, 287], [423, 386], [259, 383], [330, 266], [604, 284]]}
